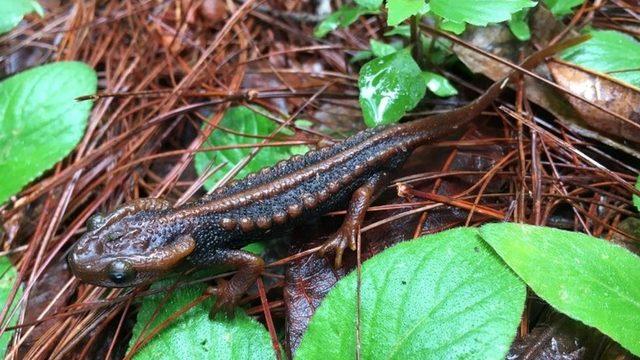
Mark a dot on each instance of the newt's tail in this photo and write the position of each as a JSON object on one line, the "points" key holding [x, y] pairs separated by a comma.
{"points": [[437, 125]]}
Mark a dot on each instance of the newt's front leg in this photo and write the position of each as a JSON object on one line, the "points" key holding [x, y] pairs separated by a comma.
{"points": [[249, 267], [360, 202]]}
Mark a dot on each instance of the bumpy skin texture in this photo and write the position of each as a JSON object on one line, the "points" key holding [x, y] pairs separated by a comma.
{"points": [[147, 238], [255, 208], [277, 209]]}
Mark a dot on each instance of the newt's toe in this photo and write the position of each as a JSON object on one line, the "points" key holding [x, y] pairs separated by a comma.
{"points": [[338, 243]]}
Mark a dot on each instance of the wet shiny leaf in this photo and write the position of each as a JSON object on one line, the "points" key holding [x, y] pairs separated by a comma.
{"points": [[587, 278], [440, 296], [40, 120], [389, 87]]}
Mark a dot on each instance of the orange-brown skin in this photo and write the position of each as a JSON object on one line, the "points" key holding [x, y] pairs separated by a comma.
{"points": [[147, 238]]}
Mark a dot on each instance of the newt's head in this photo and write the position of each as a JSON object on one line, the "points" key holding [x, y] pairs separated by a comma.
{"points": [[127, 249]]}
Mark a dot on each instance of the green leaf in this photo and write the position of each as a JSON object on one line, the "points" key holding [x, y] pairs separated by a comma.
{"points": [[400, 30], [342, 17], [584, 277], [562, 7], [610, 52], [12, 12], [8, 276], [636, 198], [478, 12], [369, 4], [361, 55], [437, 50], [400, 10], [248, 127], [40, 120], [389, 87], [193, 335], [439, 84], [440, 296], [519, 25], [453, 26], [380, 49]]}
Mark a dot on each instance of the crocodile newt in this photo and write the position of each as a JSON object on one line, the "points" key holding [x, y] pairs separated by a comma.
{"points": [[142, 240]]}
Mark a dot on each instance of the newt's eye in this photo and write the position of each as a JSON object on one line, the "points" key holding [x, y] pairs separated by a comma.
{"points": [[121, 272]]}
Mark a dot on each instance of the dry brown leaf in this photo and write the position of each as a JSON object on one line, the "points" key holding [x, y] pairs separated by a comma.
{"points": [[499, 40], [605, 92]]}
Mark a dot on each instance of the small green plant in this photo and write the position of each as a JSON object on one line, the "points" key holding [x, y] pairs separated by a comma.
{"points": [[394, 83]]}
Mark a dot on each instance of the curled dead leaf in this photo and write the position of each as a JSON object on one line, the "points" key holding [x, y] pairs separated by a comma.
{"points": [[620, 98]]}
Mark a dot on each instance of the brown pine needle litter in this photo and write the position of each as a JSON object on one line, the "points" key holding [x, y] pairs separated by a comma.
{"points": [[165, 67]]}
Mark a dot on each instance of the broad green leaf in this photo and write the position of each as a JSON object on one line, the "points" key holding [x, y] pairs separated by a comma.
{"points": [[369, 4], [8, 276], [519, 26], [400, 30], [478, 12], [444, 296], [562, 7], [12, 12], [439, 84], [379, 49], [610, 52], [389, 87], [193, 335], [400, 10], [40, 120], [248, 126], [636, 198], [586, 278], [342, 17]]}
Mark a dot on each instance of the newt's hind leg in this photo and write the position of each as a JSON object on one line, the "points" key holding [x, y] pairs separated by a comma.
{"points": [[347, 235], [228, 293]]}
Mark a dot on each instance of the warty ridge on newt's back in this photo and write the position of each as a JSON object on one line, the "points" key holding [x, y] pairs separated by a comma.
{"points": [[147, 238]]}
